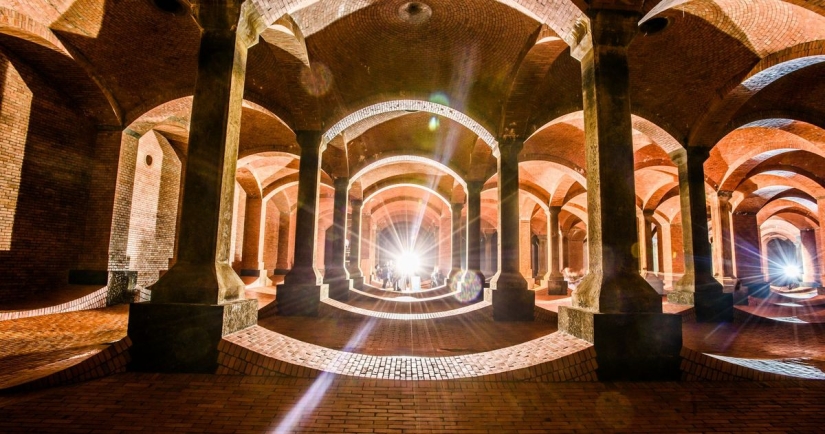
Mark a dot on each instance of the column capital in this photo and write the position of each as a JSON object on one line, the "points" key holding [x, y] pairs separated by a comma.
{"points": [[553, 210], [474, 186], [724, 195], [217, 15], [356, 203], [648, 214], [308, 139], [456, 206], [509, 146], [341, 182]]}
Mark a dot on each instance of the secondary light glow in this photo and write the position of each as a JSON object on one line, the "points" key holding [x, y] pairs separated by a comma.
{"points": [[791, 271], [408, 263]]}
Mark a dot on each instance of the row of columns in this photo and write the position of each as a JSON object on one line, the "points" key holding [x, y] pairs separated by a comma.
{"points": [[201, 298]]}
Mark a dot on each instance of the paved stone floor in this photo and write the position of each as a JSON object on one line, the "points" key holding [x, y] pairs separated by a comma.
{"points": [[32, 347], [133, 402]]}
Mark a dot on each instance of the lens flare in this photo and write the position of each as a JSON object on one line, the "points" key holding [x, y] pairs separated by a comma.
{"points": [[316, 80], [434, 123], [408, 263], [791, 271]]}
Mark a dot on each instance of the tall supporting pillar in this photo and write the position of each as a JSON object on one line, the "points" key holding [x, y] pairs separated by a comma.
{"points": [[253, 241], [512, 301], [282, 264], [820, 205], [697, 286], [722, 240], [525, 256], [543, 261], [474, 278], [565, 252], [303, 289], [554, 279], [336, 275], [444, 244], [614, 307], [810, 267], [456, 242], [654, 281], [368, 241], [201, 298], [354, 266], [748, 247]]}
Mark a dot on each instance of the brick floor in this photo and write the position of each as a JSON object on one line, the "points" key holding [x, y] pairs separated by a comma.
{"points": [[133, 402]]}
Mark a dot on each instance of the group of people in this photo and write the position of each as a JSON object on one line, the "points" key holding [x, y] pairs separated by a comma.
{"points": [[387, 273], [390, 276]]}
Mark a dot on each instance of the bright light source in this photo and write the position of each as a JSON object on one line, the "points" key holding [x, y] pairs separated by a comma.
{"points": [[791, 271], [408, 263]]}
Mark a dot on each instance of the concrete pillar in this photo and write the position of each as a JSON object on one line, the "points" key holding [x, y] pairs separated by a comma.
{"points": [[273, 216], [512, 301], [614, 307], [722, 240], [651, 278], [368, 243], [444, 244], [456, 242], [303, 287], [201, 298], [810, 267], [489, 265], [474, 278], [667, 256], [697, 286], [554, 278], [565, 253], [748, 245], [282, 265], [543, 260], [252, 262], [336, 275], [525, 251], [354, 266]]}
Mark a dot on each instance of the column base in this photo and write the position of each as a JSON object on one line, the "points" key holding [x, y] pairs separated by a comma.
{"points": [[556, 285], [121, 287], [513, 304], [681, 297], [357, 282], [178, 337], [728, 284], [300, 299], [629, 346], [656, 283], [713, 307], [339, 289]]}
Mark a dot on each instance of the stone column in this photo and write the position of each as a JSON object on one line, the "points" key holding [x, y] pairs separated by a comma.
{"points": [[555, 280], [444, 244], [303, 288], [565, 253], [748, 245], [456, 238], [474, 278], [512, 301], [490, 266], [810, 269], [614, 307], [543, 261], [201, 298], [722, 245], [354, 266], [282, 265], [525, 257], [368, 240], [820, 205], [252, 263], [652, 279], [336, 275], [697, 286]]}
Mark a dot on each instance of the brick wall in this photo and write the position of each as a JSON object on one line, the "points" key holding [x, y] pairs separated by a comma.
{"points": [[44, 177], [154, 208]]}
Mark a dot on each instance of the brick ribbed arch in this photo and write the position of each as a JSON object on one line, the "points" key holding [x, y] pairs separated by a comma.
{"points": [[559, 15], [409, 105], [407, 159], [407, 184]]}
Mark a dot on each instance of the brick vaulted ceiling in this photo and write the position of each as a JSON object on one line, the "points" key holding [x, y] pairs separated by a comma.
{"points": [[715, 69]]}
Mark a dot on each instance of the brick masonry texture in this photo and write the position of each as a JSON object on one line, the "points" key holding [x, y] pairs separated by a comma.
{"points": [[238, 404]]}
